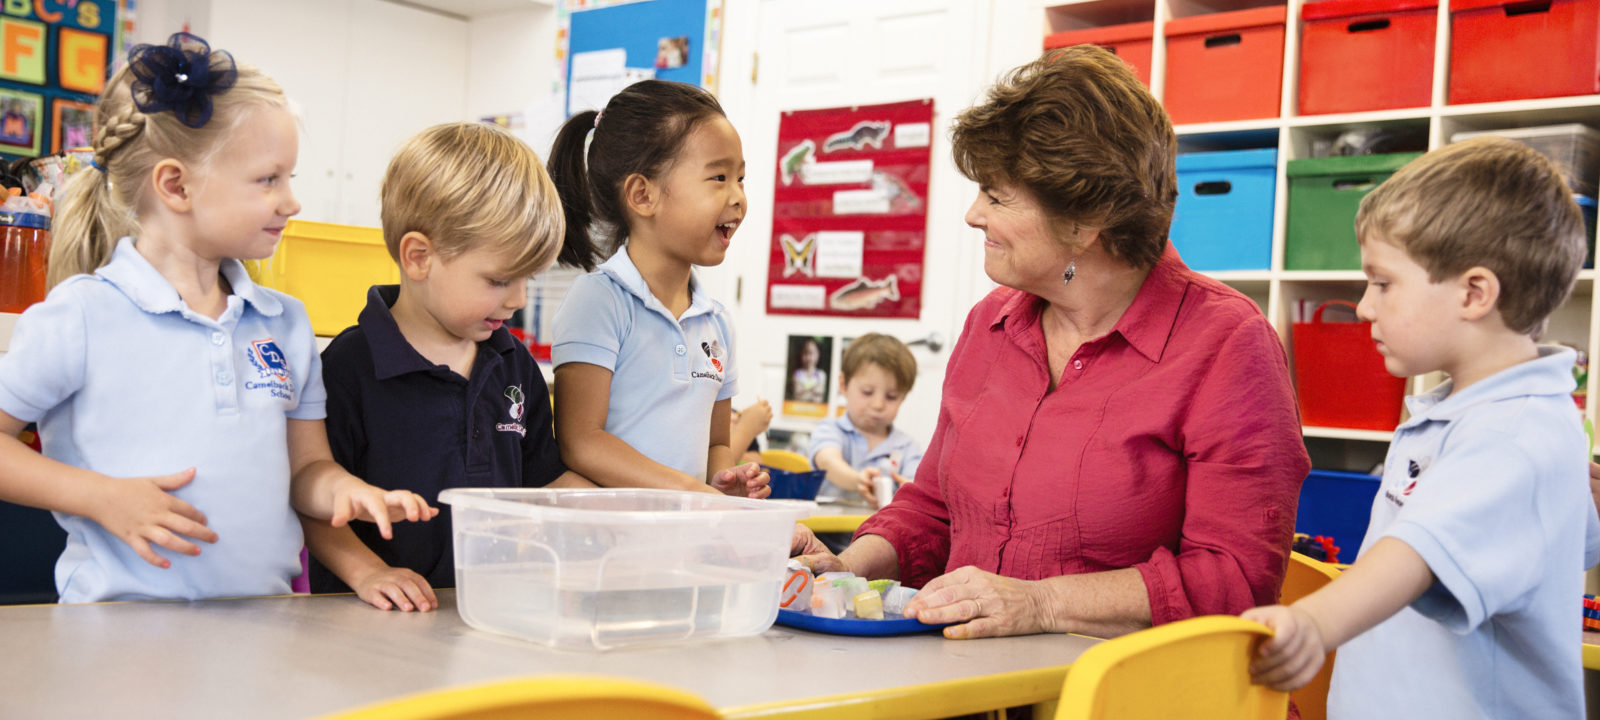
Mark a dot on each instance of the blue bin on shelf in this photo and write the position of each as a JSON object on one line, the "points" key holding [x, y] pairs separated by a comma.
{"points": [[1337, 504], [788, 485], [1224, 216]]}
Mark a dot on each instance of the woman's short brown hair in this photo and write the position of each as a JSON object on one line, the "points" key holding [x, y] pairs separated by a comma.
{"points": [[1488, 202], [1079, 131]]}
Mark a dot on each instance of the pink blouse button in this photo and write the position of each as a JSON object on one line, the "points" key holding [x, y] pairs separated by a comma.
{"points": [[1077, 364]]}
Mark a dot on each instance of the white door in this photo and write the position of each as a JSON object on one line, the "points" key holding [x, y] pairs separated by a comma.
{"points": [[803, 54]]}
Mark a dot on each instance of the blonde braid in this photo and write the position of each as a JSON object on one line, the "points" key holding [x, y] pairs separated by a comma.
{"points": [[114, 132]]}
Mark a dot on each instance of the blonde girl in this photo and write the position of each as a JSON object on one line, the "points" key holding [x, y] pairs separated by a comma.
{"points": [[179, 403], [644, 358]]}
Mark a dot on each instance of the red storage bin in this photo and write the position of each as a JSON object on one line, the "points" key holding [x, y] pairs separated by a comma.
{"points": [[1360, 55], [1511, 49], [1225, 66], [1131, 42], [1339, 375]]}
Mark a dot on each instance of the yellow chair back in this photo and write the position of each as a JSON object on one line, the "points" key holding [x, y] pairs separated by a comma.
{"points": [[1305, 576], [557, 697], [1197, 669], [785, 460]]}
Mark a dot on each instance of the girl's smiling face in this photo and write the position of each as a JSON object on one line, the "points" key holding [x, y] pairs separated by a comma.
{"points": [[702, 195]]}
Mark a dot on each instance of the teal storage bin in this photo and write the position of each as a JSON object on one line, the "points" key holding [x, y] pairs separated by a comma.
{"points": [[1339, 505], [1324, 194], [1224, 216]]}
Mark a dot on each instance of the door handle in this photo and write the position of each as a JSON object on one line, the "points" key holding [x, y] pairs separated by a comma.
{"points": [[934, 342]]}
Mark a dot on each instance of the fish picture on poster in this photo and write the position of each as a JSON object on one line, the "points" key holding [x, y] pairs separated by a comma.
{"points": [[849, 224]]}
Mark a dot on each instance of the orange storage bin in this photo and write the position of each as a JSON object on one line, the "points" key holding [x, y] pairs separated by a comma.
{"points": [[24, 251], [1513, 49], [1131, 42], [1358, 55], [1225, 66], [1339, 375]]}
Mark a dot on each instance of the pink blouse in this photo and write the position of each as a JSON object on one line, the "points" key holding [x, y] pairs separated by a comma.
{"points": [[1172, 445]]}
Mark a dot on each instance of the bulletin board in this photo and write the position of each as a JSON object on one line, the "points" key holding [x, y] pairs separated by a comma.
{"points": [[643, 28], [850, 211], [53, 60]]}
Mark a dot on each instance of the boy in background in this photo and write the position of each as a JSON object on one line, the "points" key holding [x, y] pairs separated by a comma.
{"points": [[1462, 602], [862, 445], [428, 390]]}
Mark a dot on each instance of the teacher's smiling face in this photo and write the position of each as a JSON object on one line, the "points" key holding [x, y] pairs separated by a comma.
{"points": [[1020, 249]]}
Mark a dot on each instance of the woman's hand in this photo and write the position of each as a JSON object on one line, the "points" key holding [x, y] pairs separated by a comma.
{"points": [[747, 480], [983, 604], [810, 551], [391, 587], [1294, 653], [142, 512]]}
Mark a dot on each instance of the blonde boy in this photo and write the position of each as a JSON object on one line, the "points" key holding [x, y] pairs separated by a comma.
{"points": [[862, 445], [1463, 602], [428, 390]]}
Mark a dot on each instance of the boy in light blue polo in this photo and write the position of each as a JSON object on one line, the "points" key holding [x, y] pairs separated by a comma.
{"points": [[863, 444], [1463, 600], [666, 373]]}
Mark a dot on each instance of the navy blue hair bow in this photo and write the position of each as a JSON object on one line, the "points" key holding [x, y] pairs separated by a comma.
{"points": [[180, 76]]}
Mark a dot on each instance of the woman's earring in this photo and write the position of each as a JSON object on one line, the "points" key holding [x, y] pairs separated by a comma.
{"points": [[1072, 272]]}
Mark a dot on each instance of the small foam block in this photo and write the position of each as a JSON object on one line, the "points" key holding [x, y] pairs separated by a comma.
{"points": [[869, 605], [828, 578], [882, 586], [853, 586], [827, 601], [796, 593], [896, 598]]}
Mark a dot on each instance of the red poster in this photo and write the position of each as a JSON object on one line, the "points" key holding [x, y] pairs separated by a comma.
{"points": [[850, 211]]}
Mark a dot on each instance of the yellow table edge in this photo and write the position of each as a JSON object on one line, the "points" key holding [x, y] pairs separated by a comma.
{"points": [[940, 699], [1591, 651], [834, 523]]}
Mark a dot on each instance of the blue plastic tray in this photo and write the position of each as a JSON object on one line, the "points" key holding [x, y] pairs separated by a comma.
{"points": [[891, 624]]}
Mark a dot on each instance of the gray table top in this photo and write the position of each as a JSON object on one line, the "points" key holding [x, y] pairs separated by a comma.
{"points": [[299, 656]]}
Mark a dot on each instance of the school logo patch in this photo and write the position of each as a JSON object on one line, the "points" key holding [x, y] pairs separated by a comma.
{"points": [[269, 360], [713, 351], [515, 410]]}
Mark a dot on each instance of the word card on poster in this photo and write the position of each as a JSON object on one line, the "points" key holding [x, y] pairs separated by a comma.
{"points": [[850, 211]]}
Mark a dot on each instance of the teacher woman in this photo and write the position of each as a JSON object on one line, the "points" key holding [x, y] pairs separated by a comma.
{"points": [[1118, 444]]}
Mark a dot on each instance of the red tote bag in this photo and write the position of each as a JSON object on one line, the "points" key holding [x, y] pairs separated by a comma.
{"points": [[1339, 375]]}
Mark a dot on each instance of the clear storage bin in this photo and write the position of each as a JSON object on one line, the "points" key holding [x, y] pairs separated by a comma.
{"points": [[609, 568], [1573, 147]]}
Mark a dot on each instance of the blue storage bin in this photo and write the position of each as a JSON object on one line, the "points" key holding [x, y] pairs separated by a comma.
{"points": [[1224, 216], [1337, 504], [1587, 205], [788, 485]]}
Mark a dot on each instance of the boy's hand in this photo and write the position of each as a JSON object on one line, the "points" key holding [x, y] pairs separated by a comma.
{"points": [[1294, 653], [756, 418], [391, 587], [356, 500], [142, 511], [867, 485], [747, 480]]}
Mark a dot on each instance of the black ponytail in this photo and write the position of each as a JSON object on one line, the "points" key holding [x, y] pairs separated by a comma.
{"points": [[640, 132], [571, 178]]}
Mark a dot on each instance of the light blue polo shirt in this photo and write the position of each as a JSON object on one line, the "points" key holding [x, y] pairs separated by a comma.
{"points": [[666, 373], [126, 380], [840, 433], [1490, 487]]}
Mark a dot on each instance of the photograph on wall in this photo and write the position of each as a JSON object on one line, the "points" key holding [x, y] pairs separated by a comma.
{"points": [[672, 52], [20, 113], [850, 211], [806, 375], [71, 125]]}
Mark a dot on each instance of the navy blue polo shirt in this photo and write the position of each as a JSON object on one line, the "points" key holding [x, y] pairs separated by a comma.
{"points": [[399, 421]]}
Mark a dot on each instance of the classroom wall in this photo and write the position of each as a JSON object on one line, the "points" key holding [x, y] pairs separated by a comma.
{"points": [[511, 60]]}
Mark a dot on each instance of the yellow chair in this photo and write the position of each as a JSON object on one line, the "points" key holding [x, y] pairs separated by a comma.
{"points": [[556, 697], [1197, 668], [785, 460], [1306, 574]]}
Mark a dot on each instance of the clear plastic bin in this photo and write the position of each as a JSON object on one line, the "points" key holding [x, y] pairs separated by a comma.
{"points": [[1573, 147], [609, 568]]}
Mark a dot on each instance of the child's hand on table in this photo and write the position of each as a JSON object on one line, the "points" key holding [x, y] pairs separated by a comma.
{"points": [[142, 512], [389, 587], [1294, 653], [356, 500], [747, 480]]}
